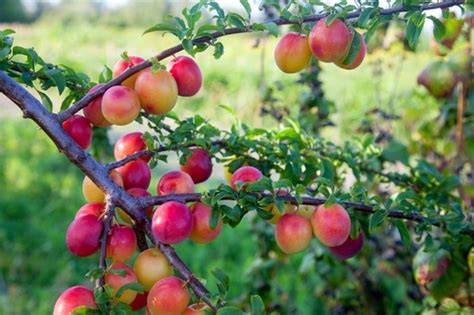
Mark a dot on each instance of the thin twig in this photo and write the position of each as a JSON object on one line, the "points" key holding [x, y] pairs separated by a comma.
{"points": [[107, 223]]}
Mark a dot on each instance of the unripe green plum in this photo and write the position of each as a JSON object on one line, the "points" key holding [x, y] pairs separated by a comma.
{"points": [[438, 79]]}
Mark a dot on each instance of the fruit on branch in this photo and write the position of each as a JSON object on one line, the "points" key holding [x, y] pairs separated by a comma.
{"points": [[122, 65], [139, 302], [187, 75], [116, 281], [196, 309], [151, 266], [175, 182], [349, 248], [93, 111], [136, 192], [120, 105], [92, 193], [79, 128], [331, 225], [198, 165], [121, 243], [438, 78], [202, 232], [95, 208], [72, 299], [135, 174], [157, 91], [293, 233], [330, 43], [245, 174], [83, 234], [129, 144], [356, 53], [172, 222], [292, 53], [169, 296]]}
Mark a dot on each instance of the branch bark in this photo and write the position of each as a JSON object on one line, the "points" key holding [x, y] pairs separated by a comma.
{"points": [[107, 222], [230, 31], [313, 201]]}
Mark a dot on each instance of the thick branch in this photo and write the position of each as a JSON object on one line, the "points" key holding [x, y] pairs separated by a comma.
{"points": [[230, 31], [107, 222], [313, 201]]}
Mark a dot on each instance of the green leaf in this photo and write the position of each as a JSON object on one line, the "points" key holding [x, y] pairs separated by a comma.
{"points": [[218, 50], [105, 75], [246, 5], [271, 27], [58, 78], [134, 286], [439, 29], [235, 20], [258, 308], [414, 27], [216, 7], [365, 17], [404, 233], [222, 281], [376, 219], [188, 46], [208, 30], [330, 18], [46, 101], [230, 310], [164, 27], [354, 49], [395, 151], [84, 310]]}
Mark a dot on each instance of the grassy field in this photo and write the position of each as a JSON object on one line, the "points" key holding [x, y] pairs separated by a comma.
{"points": [[41, 191]]}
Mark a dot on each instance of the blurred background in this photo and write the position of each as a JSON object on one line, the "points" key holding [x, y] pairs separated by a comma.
{"points": [[40, 191]]}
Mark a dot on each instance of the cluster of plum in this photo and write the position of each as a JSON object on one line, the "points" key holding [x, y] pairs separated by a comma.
{"points": [[172, 222], [328, 43], [156, 92], [295, 227]]}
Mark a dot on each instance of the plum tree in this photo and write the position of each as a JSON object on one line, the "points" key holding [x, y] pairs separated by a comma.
{"points": [[310, 171]]}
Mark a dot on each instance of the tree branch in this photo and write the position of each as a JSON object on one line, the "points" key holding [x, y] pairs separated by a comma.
{"points": [[230, 31], [313, 201], [107, 222]]}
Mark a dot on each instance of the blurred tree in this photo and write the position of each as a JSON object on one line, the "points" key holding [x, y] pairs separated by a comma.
{"points": [[13, 11]]}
